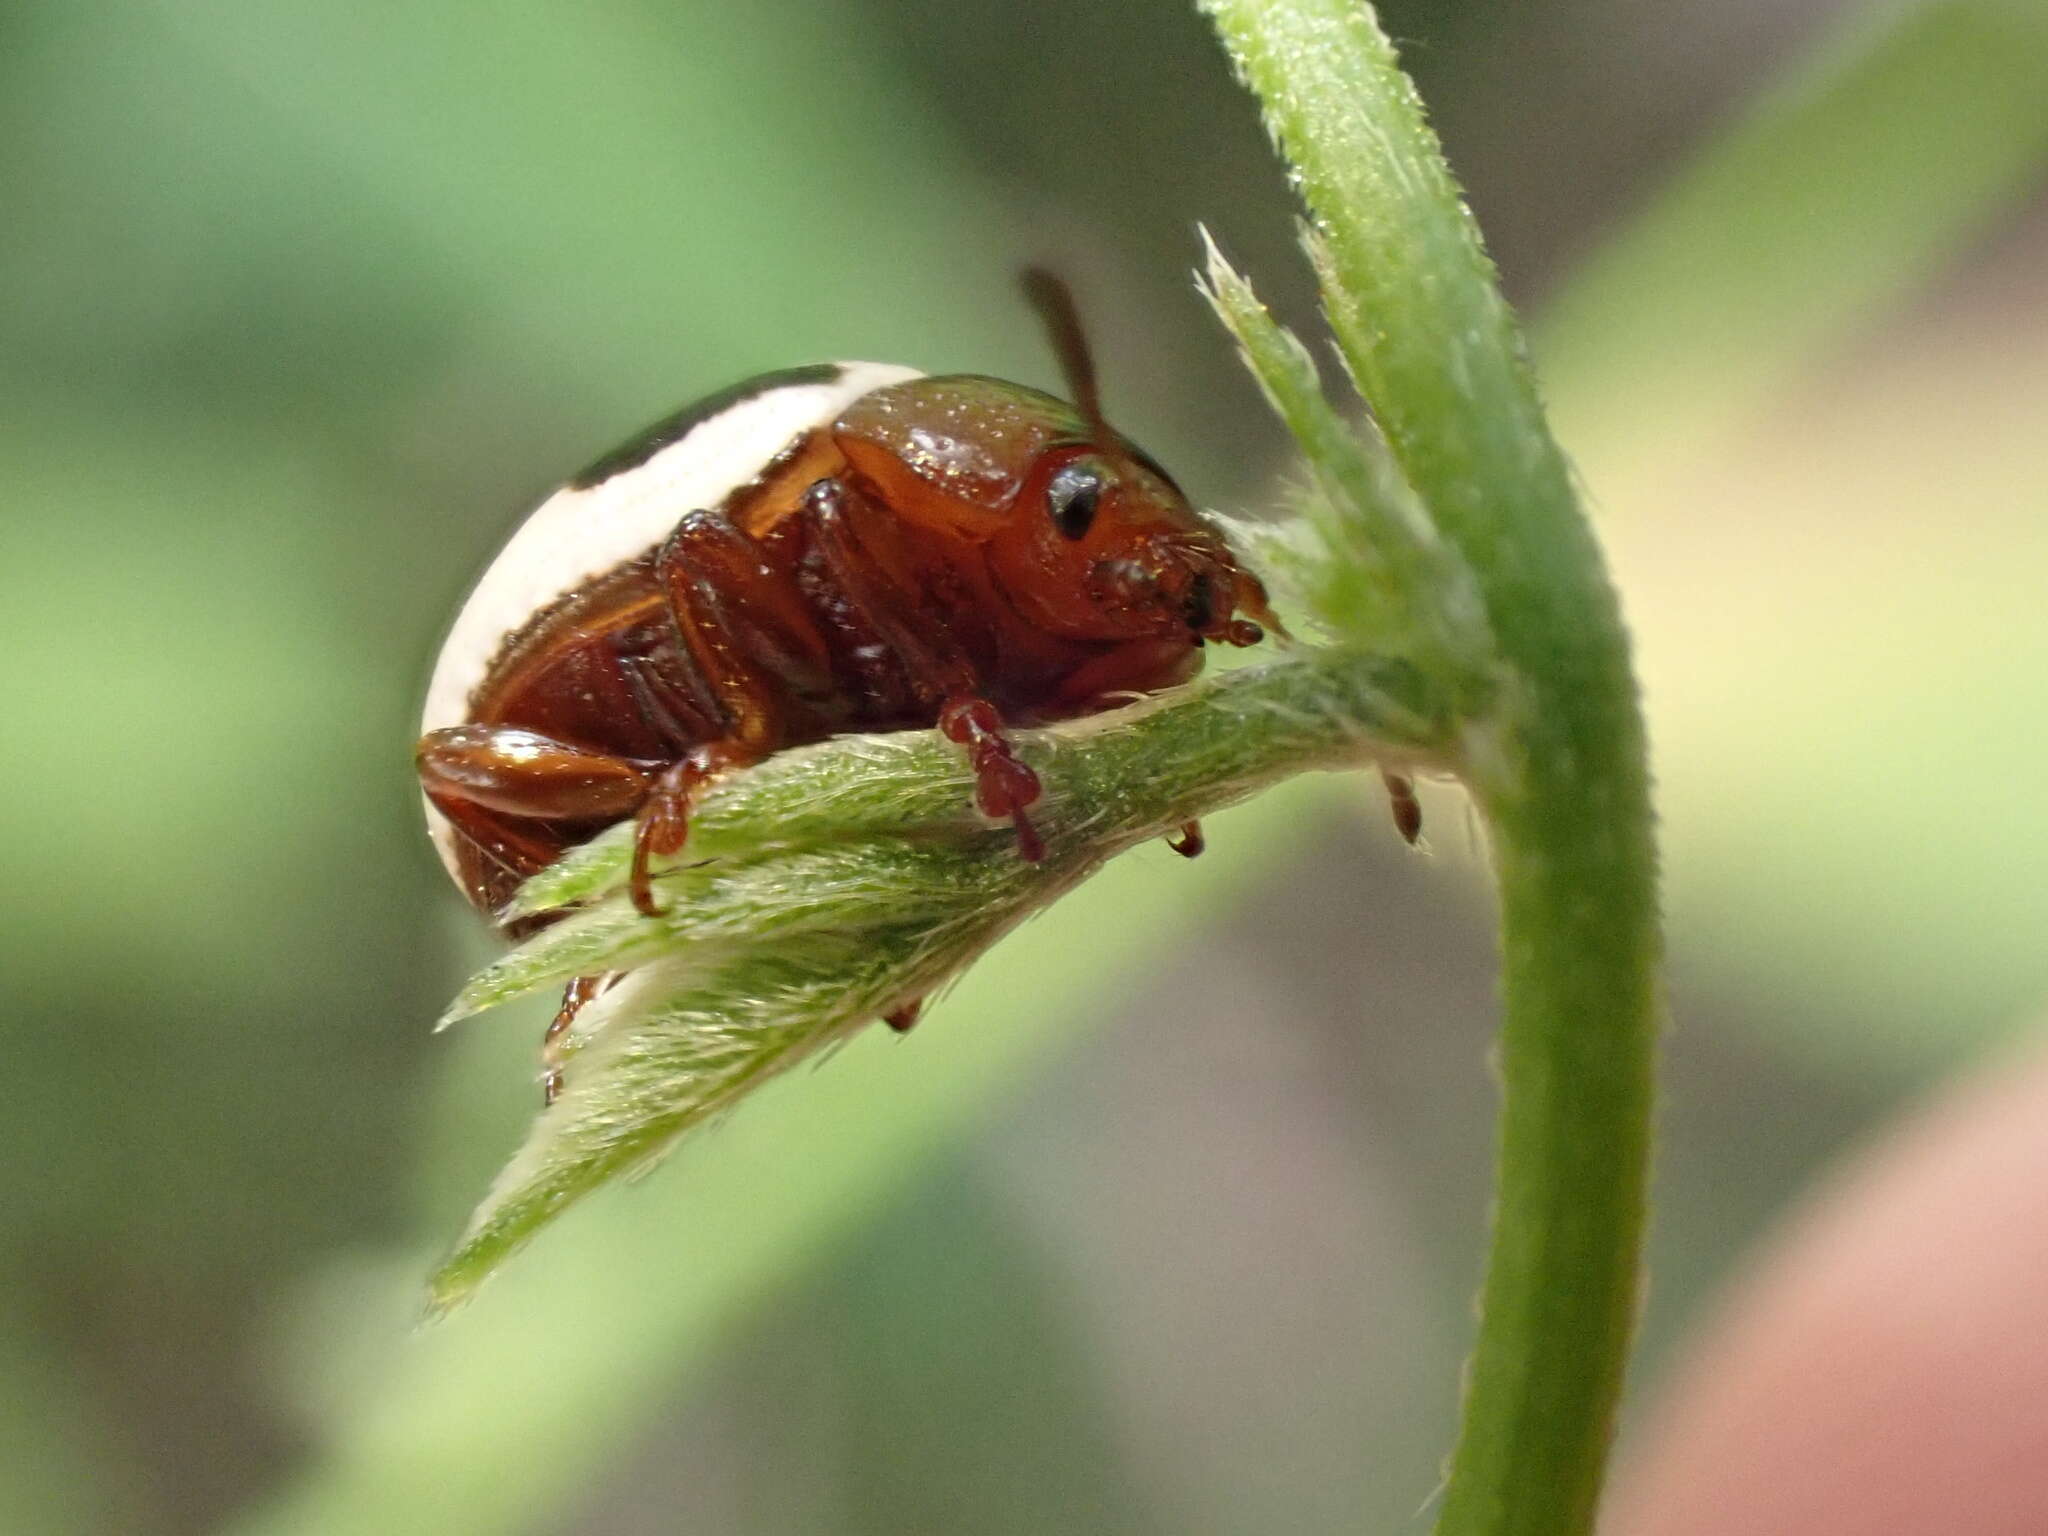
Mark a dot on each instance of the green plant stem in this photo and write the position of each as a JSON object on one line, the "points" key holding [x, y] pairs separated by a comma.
{"points": [[1558, 768]]}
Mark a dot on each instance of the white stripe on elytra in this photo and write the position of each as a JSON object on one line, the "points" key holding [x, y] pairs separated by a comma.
{"points": [[577, 534]]}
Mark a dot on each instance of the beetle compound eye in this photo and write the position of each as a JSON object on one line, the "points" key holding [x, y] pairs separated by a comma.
{"points": [[1072, 498]]}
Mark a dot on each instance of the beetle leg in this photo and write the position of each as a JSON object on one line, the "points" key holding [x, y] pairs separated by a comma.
{"points": [[1005, 786], [730, 608], [901, 1019], [511, 849], [554, 1044], [733, 611], [523, 773], [665, 815], [499, 786], [1189, 842]]}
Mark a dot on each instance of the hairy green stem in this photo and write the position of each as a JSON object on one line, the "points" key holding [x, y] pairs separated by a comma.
{"points": [[1557, 763]]}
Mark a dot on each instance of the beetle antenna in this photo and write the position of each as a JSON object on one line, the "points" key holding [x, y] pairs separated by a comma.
{"points": [[1054, 301]]}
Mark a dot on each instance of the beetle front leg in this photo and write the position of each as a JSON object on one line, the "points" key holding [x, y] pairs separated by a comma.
{"points": [[847, 529], [1004, 786]]}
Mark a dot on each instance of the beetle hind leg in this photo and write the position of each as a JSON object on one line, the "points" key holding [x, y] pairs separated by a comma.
{"points": [[554, 1045], [515, 797], [664, 826]]}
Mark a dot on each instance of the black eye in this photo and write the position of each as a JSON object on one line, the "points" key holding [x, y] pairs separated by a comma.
{"points": [[1071, 498]]}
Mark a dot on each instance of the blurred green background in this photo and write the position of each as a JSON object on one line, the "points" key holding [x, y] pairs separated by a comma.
{"points": [[1169, 1219]]}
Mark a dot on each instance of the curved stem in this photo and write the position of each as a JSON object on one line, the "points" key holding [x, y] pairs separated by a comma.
{"points": [[1578, 949], [1555, 757]]}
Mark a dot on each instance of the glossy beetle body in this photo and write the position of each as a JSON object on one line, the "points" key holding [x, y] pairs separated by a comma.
{"points": [[836, 548]]}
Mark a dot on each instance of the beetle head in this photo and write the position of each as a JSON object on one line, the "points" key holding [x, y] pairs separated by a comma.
{"points": [[1101, 545], [1083, 532]]}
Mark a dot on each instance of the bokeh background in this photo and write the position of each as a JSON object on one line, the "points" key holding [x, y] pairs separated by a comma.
{"points": [[1169, 1219]]}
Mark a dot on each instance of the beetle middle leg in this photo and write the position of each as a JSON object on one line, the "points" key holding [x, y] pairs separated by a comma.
{"points": [[733, 612], [664, 826], [855, 545]]}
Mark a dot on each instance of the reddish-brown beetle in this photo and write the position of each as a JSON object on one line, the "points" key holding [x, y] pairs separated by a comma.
{"points": [[843, 547]]}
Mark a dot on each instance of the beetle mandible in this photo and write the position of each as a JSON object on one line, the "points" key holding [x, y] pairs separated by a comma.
{"points": [[843, 547]]}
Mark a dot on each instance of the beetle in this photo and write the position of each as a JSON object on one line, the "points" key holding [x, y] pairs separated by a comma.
{"points": [[841, 547]]}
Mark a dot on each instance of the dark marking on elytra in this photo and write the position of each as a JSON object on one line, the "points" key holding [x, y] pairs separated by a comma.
{"points": [[641, 447]]}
